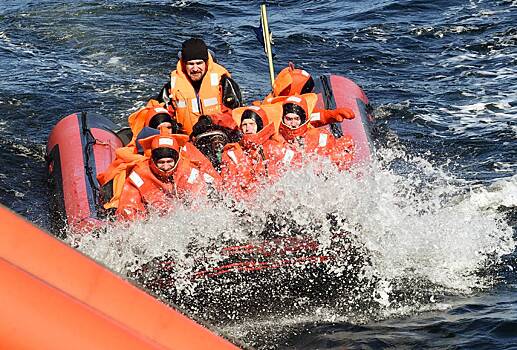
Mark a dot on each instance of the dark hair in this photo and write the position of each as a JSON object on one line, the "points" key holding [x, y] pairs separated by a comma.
{"points": [[164, 152], [203, 124], [249, 114], [294, 108]]}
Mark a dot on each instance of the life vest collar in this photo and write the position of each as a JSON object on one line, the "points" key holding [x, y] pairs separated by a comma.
{"points": [[254, 140], [290, 81], [290, 134]]}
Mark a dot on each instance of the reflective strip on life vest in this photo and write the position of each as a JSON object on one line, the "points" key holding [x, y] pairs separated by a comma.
{"points": [[208, 179], [315, 116], [210, 101], [161, 110], [295, 99], [136, 179], [214, 79], [195, 106], [173, 82], [181, 104], [323, 140], [193, 175], [165, 141], [289, 154], [232, 156]]}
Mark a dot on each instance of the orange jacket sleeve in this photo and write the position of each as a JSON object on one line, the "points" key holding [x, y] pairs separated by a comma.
{"points": [[131, 206]]}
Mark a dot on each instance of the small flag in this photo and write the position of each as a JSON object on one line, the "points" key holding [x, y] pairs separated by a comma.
{"points": [[259, 32]]}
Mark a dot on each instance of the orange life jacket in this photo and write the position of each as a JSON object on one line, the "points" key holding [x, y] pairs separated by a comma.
{"points": [[318, 117], [125, 159], [187, 104], [189, 151], [304, 144], [290, 81], [251, 163], [267, 112], [143, 190]]}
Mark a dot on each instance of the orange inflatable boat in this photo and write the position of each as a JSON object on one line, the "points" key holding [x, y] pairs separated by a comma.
{"points": [[53, 297], [80, 147]]}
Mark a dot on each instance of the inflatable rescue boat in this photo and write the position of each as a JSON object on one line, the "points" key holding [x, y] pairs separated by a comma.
{"points": [[81, 146]]}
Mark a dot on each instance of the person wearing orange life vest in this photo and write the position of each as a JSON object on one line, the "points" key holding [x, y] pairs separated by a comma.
{"points": [[144, 123], [198, 86], [292, 81], [160, 117], [161, 182], [151, 116], [211, 133], [302, 140], [252, 162]]}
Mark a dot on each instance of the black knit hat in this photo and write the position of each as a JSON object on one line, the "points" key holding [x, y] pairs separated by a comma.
{"points": [[294, 108], [249, 114], [158, 119], [194, 49], [164, 152]]}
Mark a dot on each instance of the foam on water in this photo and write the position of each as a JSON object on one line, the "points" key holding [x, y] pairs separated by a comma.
{"points": [[421, 229], [503, 192]]}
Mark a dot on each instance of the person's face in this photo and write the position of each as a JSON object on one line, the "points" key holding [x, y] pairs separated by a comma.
{"points": [[292, 120], [196, 69], [217, 143], [249, 126], [169, 126], [165, 164], [166, 125]]}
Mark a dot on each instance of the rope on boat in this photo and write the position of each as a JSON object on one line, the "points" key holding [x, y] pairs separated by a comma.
{"points": [[88, 152]]}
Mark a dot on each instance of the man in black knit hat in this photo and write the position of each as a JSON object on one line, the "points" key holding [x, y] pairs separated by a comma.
{"points": [[194, 54], [198, 86]]}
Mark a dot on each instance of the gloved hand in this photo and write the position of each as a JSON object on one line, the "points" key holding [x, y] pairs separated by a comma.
{"points": [[329, 116], [340, 114]]}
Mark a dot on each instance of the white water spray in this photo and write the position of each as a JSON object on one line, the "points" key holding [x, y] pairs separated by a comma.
{"points": [[417, 224]]}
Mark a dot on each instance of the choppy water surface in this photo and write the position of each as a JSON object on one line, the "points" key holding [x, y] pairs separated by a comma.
{"points": [[435, 215]]}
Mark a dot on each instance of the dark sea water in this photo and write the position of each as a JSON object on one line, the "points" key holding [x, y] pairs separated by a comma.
{"points": [[439, 214]]}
